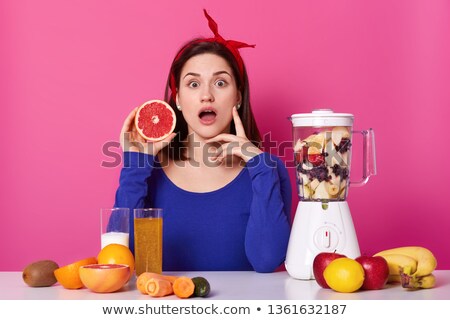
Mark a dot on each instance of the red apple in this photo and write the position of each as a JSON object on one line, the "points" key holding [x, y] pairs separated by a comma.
{"points": [[321, 261], [376, 272]]}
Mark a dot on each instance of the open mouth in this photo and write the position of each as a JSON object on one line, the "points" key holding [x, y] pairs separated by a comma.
{"points": [[207, 115]]}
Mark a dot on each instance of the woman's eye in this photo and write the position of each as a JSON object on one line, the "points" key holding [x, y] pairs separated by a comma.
{"points": [[221, 83], [193, 84]]}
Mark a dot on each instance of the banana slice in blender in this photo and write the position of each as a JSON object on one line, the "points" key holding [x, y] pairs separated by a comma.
{"points": [[314, 150], [332, 189], [306, 192], [321, 191], [316, 140], [343, 188], [314, 184], [339, 133]]}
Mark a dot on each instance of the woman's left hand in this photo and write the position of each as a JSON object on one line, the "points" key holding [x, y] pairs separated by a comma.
{"points": [[237, 145]]}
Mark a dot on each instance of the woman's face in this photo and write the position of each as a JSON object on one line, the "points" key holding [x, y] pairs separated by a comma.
{"points": [[207, 95]]}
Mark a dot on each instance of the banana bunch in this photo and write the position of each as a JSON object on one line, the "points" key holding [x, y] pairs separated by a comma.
{"points": [[412, 266]]}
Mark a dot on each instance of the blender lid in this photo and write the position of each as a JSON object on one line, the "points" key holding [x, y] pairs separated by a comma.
{"points": [[322, 118]]}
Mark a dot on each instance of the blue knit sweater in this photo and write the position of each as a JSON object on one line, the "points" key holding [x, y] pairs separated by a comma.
{"points": [[242, 226]]}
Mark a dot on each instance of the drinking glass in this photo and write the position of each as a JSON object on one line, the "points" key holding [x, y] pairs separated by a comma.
{"points": [[148, 236], [115, 226]]}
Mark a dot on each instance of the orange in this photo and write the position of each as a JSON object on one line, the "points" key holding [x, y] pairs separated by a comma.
{"points": [[116, 254], [69, 275]]}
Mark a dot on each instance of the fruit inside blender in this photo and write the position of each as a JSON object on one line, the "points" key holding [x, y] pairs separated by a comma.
{"points": [[322, 157]]}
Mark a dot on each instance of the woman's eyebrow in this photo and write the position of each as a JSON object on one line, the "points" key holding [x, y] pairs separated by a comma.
{"points": [[221, 72], [198, 75], [191, 74]]}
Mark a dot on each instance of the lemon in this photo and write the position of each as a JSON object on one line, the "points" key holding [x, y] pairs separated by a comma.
{"points": [[344, 275]]}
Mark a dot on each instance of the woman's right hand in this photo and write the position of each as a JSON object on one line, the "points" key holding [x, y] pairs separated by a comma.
{"points": [[131, 140]]}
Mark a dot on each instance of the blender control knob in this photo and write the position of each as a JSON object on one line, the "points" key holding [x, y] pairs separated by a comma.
{"points": [[326, 238]]}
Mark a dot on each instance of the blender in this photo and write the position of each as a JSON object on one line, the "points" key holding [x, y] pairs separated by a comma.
{"points": [[322, 143]]}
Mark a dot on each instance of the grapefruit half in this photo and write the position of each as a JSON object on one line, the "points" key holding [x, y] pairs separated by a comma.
{"points": [[104, 278], [155, 120]]}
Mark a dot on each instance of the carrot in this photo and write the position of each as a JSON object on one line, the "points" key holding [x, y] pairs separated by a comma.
{"points": [[142, 280], [161, 276], [156, 287], [145, 276], [183, 287]]}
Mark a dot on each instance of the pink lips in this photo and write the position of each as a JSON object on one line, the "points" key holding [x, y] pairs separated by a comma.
{"points": [[207, 115]]}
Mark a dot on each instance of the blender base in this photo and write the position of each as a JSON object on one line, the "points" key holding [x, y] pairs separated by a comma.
{"points": [[319, 228]]}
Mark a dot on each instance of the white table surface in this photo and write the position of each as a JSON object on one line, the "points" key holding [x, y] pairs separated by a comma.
{"points": [[246, 285]]}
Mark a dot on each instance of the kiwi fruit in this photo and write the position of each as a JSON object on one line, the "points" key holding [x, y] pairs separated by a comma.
{"points": [[40, 273]]}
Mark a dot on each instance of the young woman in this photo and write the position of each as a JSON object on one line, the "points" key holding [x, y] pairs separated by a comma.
{"points": [[226, 203]]}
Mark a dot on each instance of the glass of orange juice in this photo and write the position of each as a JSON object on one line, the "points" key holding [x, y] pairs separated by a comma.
{"points": [[148, 235]]}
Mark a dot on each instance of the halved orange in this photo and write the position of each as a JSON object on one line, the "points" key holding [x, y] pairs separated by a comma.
{"points": [[69, 275]]}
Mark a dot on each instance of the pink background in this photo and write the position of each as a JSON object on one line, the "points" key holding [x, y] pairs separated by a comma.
{"points": [[71, 71]]}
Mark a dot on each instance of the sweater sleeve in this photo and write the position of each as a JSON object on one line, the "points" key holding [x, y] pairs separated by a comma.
{"points": [[133, 187], [268, 228]]}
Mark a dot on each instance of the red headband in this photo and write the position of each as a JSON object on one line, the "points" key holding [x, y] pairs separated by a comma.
{"points": [[231, 45]]}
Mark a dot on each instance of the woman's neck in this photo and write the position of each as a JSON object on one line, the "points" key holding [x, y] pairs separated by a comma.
{"points": [[197, 150]]}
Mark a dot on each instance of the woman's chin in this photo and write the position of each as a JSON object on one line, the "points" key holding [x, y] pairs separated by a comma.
{"points": [[209, 132]]}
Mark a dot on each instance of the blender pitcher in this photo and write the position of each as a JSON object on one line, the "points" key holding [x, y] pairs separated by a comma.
{"points": [[322, 151]]}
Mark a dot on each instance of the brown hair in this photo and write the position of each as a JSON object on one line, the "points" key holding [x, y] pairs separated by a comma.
{"points": [[193, 48]]}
